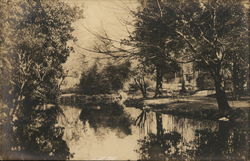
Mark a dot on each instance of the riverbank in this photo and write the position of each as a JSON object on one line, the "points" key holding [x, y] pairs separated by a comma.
{"points": [[80, 99], [198, 107]]}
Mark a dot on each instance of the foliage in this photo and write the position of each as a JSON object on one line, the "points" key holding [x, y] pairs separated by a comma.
{"points": [[39, 137], [34, 38], [92, 82], [238, 70], [204, 81], [107, 80], [117, 74], [225, 144], [154, 28], [213, 31], [141, 77], [213, 34], [152, 147]]}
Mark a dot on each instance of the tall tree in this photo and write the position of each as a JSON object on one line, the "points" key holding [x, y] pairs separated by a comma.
{"points": [[213, 31], [149, 43], [41, 32], [34, 50], [155, 24]]}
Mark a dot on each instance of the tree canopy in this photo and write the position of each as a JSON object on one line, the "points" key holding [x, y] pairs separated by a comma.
{"points": [[214, 31], [34, 38], [213, 34], [104, 81]]}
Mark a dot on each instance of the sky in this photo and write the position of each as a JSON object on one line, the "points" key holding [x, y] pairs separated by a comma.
{"points": [[99, 15]]}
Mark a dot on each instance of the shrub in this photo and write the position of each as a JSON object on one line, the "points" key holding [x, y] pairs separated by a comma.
{"points": [[92, 83], [106, 81]]}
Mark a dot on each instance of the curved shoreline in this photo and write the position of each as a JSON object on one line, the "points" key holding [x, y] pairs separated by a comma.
{"points": [[193, 107]]}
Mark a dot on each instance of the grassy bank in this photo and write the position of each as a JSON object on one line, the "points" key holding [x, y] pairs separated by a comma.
{"points": [[199, 107]]}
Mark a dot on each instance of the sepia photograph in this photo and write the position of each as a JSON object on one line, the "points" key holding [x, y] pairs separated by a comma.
{"points": [[157, 80]]}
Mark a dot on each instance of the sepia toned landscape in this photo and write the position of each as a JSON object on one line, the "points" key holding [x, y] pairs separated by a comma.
{"points": [[162, 80]]}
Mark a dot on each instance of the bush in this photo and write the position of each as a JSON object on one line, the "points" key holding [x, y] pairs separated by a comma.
{"points": [[92, 83], [106, 81], [117, 75]]}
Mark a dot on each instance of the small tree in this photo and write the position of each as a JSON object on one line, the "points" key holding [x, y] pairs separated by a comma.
{"points": [[140, 76]]}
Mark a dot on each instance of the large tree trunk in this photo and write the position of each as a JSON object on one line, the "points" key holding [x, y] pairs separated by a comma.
{"points": [[221, 95], [158, 81]]}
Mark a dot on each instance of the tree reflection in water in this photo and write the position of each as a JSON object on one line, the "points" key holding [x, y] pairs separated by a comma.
{"points": [[228, 143], [159, 146], [108, 116], [37, 136], [223, 143]]}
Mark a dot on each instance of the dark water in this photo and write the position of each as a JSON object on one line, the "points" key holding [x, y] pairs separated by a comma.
{"points": [[114, 133]]}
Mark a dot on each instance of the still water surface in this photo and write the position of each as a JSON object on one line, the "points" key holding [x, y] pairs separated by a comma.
{"points": [[116, 133]]}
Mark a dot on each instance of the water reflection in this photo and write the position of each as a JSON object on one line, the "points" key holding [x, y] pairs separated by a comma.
{"points": [[111, 132], [161, 145], [111, 116], [106, 132], [192, 140], [227, 143]]}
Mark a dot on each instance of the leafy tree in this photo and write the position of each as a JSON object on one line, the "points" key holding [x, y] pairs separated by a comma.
{"points": [[148, 43], [35, 46], [213, 31], [40, 32], [117, 74], [103, 81], [92, 82], [154, 27]]}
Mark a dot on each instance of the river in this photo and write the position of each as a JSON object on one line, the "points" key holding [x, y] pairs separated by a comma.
{"points": [[116, 133]]}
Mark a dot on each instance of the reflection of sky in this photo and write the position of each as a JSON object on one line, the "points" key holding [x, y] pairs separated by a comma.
{"points": [[186, 127], [108, 143], [107, 146], [103, 144]]}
